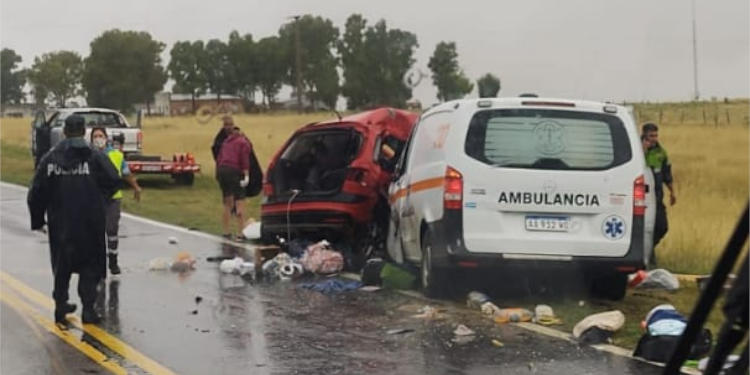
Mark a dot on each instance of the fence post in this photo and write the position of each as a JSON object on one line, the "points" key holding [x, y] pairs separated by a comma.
{"points": [[728, 120]]}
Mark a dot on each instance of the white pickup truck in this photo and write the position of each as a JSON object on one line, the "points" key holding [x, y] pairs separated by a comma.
{"points": [[47, 132]]}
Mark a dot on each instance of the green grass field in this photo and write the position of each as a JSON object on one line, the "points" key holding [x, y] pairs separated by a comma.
{"points": [[710, 163]]}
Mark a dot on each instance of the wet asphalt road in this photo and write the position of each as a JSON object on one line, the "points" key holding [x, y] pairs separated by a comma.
{"points": [[246, 327]]}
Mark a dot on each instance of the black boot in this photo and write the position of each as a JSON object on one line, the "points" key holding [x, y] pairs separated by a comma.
{"points": [[113, 267], [62, 310], [90, 316]]}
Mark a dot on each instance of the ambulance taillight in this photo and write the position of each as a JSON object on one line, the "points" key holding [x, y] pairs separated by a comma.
{"points": [[453, 189], [639, 196]]}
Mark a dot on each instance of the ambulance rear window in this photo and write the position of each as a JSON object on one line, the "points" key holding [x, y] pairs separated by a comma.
{"points": [[547, 139]]}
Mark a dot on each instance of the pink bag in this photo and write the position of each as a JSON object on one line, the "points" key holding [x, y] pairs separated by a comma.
{"points": [[321, 259]]}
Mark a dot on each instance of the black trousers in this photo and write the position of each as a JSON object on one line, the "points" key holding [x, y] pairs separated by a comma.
{"points": [[660, 228], [87, 285], [660, 225]]}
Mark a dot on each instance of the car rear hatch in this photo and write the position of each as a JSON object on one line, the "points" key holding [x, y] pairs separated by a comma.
{"points": [[550, 182], [315, 164]]}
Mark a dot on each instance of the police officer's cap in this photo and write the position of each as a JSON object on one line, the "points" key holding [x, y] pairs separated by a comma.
{"points": [[75, 125]]}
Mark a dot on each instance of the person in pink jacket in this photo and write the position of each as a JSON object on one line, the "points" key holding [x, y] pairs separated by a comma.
{"points": [[233, 174]]}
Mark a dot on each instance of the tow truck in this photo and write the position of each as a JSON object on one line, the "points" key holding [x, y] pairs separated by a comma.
{"points": [[47, 132]]}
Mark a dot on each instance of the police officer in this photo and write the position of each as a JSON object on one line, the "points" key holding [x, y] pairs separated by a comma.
{"points": [[657, 160], [70, 185]]}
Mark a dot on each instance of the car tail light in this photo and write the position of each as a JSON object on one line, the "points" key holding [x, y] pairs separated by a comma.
{"points": [[639, 196], [139, 140], [453, 189], [190, 158]]}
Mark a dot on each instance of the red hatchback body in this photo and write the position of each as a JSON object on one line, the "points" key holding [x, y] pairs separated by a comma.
{"points": [[330, 179]]}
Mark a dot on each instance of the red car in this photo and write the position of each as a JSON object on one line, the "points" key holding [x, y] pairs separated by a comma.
{"points": [[330, 179]]}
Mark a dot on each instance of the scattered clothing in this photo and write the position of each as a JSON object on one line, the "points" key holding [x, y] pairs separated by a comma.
{"points": [[660, 279], [608, 321], [321, 259], [664, 326], [595, 335], [332, 286]]}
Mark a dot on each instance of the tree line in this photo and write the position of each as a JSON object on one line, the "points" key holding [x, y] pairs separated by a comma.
{"points": [[125, 67]]}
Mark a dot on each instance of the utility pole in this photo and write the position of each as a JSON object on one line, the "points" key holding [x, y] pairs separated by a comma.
{"points": [[695, 60], [298, 63]]}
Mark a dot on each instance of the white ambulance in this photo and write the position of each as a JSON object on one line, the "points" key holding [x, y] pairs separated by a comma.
{"points": [[527, 183]]}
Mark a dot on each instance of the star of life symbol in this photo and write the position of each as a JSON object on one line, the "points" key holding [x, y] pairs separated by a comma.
{"points": [[613, 227]]}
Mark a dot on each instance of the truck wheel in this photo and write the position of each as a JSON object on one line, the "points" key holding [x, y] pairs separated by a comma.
{"points": [[611, 287], [185, 179], [432, 278]]}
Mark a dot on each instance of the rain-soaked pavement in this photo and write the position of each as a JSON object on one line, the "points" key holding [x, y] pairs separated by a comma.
{"points": [[155, 322]]}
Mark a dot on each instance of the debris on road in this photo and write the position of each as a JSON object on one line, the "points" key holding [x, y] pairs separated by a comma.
{"points": [[398, 331], [430, 313], [159, 264], [172, 240], [544, 315], [462, 330], [513, 315], [321, 259], [183, 262], [332, 286], [282, 267], [198, 300], [659, 279], [463, 335], [605, 323], [475, 299], [497, 343], [218, 258], [370, 288], [490, 309], [252, 229]]}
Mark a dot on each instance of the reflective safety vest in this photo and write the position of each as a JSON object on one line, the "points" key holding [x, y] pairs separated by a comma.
{"points": [[117, 158]]}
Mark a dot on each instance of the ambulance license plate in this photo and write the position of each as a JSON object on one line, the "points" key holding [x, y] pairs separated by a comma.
{"points": [[547, 223]]}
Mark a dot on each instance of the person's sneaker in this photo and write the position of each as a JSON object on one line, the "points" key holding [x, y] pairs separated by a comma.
{"points": [[63, 310], [113, 267], [90, 316]]}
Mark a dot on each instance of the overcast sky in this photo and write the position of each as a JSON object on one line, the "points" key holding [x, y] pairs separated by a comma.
{"points": [[610, 50]]}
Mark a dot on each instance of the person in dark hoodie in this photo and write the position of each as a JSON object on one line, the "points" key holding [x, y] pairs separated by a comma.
{"points": [[70, 186], [233, 174]]}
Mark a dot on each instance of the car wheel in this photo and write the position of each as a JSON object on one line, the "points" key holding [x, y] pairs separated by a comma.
{"points": [[432, 278], [611, 287]]}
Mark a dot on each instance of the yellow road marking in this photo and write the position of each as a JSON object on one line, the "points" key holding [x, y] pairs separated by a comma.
{"points": [[113, 343], [24, 309]]}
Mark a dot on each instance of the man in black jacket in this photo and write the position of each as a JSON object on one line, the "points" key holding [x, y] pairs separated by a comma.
{"points": [[70, 185]]}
